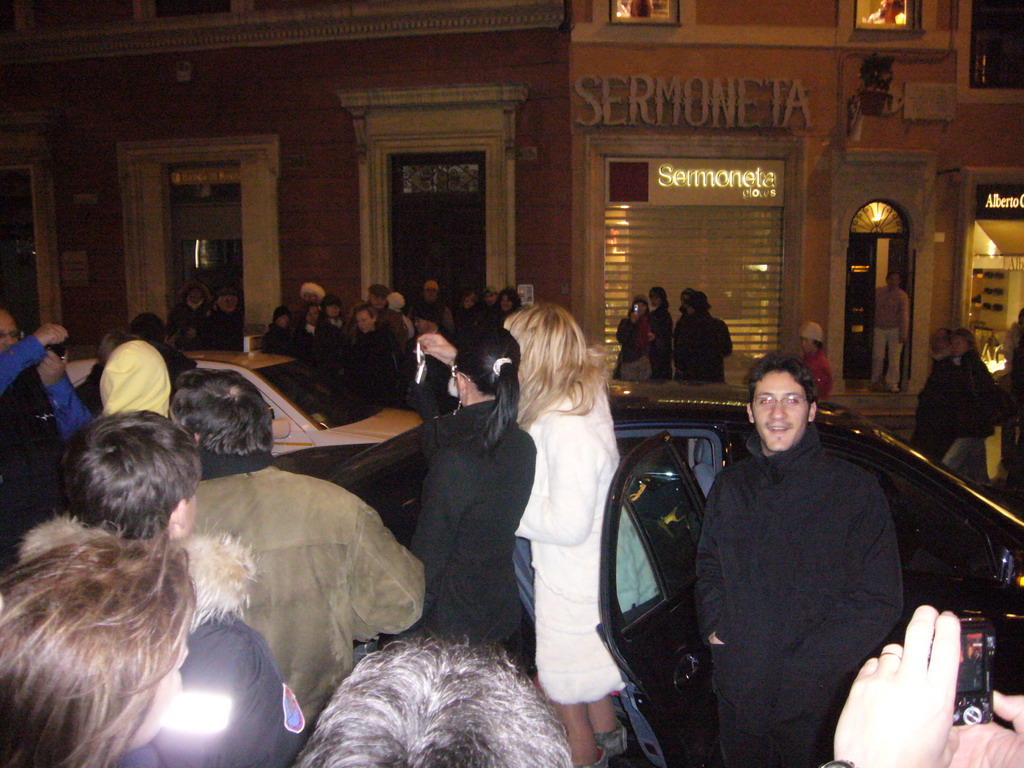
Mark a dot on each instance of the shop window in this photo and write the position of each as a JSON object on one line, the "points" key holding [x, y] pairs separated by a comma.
{"points": [[644, 11], [893, 15], [997, 46]]}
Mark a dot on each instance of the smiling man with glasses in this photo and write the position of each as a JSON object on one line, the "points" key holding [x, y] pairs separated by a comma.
{"points": [[798, 578], [39, 410]]}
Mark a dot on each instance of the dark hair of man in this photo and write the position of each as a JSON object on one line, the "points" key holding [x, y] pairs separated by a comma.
{"points": [[776, 362], [476, 360], [227, 412], [129, 471], [426, 702], [148, 327], [429, 312]]}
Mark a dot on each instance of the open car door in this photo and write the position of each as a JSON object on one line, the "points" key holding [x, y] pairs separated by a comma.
{"points": [[648, 614]]}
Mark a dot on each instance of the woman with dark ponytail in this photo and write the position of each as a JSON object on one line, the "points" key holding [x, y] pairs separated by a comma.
{"points": [[480, 475]]}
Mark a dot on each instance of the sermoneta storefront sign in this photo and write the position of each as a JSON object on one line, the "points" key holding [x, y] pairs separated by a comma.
{"points": [[696, 181]]}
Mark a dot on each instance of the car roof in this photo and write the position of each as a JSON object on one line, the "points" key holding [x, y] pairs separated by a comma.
{"points": [[650, 401], [253, 361], [661, 402]]}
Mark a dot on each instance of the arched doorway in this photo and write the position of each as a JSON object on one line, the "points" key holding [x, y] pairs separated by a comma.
{"points": [[879, 244]]}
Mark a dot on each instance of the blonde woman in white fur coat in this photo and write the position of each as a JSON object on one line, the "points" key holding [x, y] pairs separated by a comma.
{"points": [[563, 403]]}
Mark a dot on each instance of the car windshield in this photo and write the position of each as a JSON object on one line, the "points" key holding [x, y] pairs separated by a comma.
{"points": [[326, 403]]}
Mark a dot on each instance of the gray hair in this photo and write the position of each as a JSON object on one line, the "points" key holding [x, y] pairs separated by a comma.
{"points": [[428, 703]]}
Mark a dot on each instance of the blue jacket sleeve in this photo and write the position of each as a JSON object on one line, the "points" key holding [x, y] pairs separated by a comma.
{"points": [[71, 413], [17, 358]]}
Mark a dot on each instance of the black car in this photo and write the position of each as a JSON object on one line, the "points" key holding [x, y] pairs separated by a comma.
{"points": [[961, 549]]}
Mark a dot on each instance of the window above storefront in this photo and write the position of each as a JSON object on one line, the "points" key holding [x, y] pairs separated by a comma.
{"points": [[997, 45], [644, 11], [887, 15]]}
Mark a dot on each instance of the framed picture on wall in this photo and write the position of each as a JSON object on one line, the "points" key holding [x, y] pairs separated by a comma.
{"points": [[644, 11]]}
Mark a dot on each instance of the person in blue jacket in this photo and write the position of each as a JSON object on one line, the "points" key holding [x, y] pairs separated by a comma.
{"points": [[39, 410]]}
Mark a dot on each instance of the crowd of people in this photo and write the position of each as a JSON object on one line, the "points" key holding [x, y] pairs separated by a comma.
{"points": [[171, 598], [366, 346], [650, 347]]}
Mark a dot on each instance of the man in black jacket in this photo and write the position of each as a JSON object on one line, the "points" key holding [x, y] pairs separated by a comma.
{"points": [[798, 577], [702, 342]]}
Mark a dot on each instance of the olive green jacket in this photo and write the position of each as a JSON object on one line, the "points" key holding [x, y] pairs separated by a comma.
{"points": [[330, 572]]}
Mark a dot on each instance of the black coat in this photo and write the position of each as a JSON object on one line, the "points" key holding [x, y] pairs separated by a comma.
{"points": [[937, 404], [798, 575], [660, 351], [978, 400], [471, 506], [278, 341], [30, 451], [229, 657], [329, 340], [702, 343], [371, 367], [222, 330]]}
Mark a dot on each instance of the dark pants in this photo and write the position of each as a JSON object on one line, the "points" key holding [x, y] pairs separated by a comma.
{"points": [[802, 742]]}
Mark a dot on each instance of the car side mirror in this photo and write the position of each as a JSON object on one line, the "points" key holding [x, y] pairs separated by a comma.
{"points": [[281, 428]]}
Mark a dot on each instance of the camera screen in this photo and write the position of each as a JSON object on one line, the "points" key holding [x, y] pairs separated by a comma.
{"points": [[972, 662]]}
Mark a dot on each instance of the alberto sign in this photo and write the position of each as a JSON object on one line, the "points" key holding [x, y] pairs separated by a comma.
{"points": [[1000, 201], [696, 181], [717, 102]]}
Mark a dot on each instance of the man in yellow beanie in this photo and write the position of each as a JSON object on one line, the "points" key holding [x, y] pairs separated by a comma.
{"points": [[135, 379]]}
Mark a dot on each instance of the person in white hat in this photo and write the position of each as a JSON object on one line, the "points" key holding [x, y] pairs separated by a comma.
{"points": [[812, 341]]}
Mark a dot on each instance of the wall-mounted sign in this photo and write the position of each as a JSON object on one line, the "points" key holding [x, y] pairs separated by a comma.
{"points": [[696, 181], [206, 175], [717, 102], [1000, 201]]}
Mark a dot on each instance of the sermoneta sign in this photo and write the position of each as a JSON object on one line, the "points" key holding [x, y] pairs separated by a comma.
{"points": [[695, 181], [700, 102]]}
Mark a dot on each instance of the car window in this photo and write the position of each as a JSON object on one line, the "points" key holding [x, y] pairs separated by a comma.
{"points": [[662, 511], [635, 586], [702, 449], [323, 401], [933, 535]]}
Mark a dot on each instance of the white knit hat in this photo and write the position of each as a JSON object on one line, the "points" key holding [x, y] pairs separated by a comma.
{"points": [[811, 330], [396, 301], [314, 289]]}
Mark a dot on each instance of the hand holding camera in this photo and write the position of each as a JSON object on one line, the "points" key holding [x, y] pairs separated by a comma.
{"points": [[51, 333], [901, 708]]}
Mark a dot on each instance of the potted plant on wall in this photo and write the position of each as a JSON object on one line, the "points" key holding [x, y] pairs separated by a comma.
{"points": [[875, 78]]}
